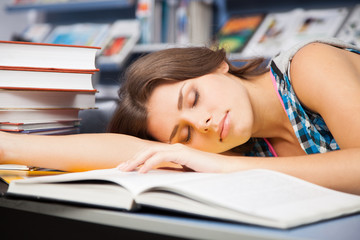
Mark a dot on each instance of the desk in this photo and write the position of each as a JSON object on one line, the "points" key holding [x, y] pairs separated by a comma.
{"points": [[71, 221]]}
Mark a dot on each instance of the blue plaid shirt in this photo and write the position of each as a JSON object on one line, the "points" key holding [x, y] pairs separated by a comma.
{"points": [[309, 127]]}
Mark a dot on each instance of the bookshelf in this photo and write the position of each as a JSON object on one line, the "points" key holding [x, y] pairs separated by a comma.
{"points": [[61, 6], [58, 12]]}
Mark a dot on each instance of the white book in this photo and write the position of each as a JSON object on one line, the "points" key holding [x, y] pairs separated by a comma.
{"points": [[33, 125], [42, 55], [13, 115], [28, 98], [44, 78], [260, 197]]}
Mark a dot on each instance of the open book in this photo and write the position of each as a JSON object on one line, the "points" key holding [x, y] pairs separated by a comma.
{"points": [[260, 197]]}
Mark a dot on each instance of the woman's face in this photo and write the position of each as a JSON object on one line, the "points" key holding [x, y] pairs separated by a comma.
{"points": [[212, 113]]}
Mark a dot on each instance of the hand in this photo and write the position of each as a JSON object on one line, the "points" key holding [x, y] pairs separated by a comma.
{"points": [[176, 153]]}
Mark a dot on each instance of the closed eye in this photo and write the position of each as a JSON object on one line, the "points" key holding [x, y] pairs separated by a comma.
{"points": [[196, 98], [188, 137]]}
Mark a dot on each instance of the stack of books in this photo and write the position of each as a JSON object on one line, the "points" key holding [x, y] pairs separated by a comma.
{"points": [[44, 86]]}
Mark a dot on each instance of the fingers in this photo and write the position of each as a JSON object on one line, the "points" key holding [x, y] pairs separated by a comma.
{"points": [[151, 158], [138, 159]]}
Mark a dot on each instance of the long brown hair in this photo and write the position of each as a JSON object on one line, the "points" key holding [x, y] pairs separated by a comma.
{"points": [[170, 65]]}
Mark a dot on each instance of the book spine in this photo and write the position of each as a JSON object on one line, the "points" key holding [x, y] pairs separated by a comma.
{"points": [[35, 69], [48, 44], [48, 89]]}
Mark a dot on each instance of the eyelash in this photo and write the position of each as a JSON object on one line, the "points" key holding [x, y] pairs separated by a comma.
{"points": [[188, 138], [196, 98]]}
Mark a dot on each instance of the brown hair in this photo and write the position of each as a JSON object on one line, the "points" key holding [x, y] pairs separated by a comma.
{"points": [[171, 65]]}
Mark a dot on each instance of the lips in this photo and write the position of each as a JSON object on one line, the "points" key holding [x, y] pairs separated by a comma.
{"points": [[224, 126]]}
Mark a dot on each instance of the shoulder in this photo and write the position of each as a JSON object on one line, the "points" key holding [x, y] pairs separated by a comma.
{"points": [[322, 70], [326, 80], [316, 56]]}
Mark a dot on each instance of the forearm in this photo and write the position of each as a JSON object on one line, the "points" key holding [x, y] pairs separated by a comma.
{"points": [[71, 152], [339, 170]]}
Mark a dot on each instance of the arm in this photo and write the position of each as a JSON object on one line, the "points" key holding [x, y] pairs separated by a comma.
{"points": [[70, 152], [334, 77], [339, 170]]}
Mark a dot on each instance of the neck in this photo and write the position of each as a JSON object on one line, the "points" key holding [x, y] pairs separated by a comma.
{"points": [[270, 119]]}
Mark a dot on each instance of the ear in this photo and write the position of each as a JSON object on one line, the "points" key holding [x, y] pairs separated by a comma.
{"points": [[223, 67]]}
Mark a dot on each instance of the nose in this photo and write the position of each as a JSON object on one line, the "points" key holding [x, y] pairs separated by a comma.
{"points": [[204, 126], [199, 120]]}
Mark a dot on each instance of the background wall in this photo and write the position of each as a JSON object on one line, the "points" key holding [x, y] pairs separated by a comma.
{"points": [[13, 22]]}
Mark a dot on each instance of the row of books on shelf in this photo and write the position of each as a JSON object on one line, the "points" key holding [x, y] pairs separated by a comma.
{"points": [[268, 34], [157, 21], [19, 2], [162, 21], [44, 86], [116, 39], [186, 22]]}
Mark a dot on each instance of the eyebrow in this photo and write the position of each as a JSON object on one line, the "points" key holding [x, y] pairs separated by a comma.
{"points": [[179, 106]]}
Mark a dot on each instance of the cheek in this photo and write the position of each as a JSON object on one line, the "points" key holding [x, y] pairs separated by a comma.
{"points": [[208, 144]]}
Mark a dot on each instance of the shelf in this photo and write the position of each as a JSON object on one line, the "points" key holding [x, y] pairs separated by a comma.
{"points": [[143, 48], [83, 5]]}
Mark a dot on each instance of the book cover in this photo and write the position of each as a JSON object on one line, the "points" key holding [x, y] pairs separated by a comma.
{"points": [[316, 23], [280, 31], [11, 172], [237, 31], [84, 34], [36, 32], [123, 36], [271, 34]]}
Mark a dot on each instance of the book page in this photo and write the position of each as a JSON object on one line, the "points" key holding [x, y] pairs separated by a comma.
{"points": [[268, 194], [256, 196], [133, 181]]}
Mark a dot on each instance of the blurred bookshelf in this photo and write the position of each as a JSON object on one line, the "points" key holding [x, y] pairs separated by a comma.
{"points": [[66, 5], [163, 23]]}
